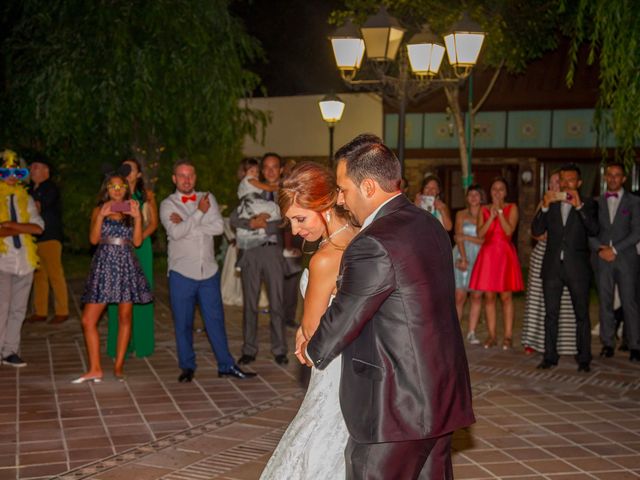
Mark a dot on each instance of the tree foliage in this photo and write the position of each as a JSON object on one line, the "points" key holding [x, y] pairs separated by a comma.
{"points": [[93, 82], [612, 29]]}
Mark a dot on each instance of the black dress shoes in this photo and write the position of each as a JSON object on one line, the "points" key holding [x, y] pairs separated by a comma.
{"points": [[546, 365], [236, 372], [281, 359], [246, 359], [584, 367], [186, 375], [606, 352], [634, 355]]}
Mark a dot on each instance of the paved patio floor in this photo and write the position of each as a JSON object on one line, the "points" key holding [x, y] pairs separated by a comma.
{"points": [[532, 424]]}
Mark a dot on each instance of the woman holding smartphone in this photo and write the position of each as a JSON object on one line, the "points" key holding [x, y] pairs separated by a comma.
{"points": [[115, 275], [429, 200], [142, 341]]}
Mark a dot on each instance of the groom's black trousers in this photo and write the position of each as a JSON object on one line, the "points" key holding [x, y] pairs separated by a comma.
{"points": [[428, 459]]}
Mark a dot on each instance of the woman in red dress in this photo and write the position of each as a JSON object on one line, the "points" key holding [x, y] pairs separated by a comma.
{"points": [[497, 269]]}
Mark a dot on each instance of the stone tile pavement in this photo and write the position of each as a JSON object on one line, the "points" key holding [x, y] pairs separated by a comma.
{"points": [[532, 424]]}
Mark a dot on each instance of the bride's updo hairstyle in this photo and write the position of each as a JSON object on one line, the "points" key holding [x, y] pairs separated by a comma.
{"points": [[313, 187]]}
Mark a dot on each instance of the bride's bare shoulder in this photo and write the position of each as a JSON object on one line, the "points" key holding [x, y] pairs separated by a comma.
{"points": [[326, 260]]}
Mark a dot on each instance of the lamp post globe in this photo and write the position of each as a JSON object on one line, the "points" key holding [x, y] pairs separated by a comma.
{"points": [[463, 45], [425, 53], [382, 36], [348, 49], [331, 109]]}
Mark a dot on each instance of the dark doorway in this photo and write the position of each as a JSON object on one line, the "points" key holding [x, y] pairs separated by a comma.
{"points": [[453, 194]]}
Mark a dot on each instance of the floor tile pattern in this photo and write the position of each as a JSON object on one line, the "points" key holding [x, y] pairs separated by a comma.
{"points": [[531, 424]]}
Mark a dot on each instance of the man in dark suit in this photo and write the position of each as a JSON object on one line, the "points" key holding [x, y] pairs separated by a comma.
{"points": [[405, 380], [617, 261], [568, 221]]}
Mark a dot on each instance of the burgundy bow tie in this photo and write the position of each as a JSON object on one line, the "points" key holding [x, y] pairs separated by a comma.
{"points": [[608, 195], [188, 198]]}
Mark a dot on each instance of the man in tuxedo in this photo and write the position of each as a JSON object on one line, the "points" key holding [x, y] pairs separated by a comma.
{"points": [[617, 261], [405, 379], [568, 221]]}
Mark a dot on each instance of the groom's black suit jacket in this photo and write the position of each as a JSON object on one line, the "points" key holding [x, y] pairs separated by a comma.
{"points": [[404, 373]]}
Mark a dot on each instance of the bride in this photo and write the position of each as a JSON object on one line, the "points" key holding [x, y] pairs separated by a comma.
{"points": [[313, 445]]}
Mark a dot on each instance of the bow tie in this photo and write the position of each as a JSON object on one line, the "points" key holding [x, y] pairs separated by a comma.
{"points": [[609, 195], [188, 198]]}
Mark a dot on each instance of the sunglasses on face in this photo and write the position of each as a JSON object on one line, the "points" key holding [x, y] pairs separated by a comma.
{"points": [[117, 187], [19, 173]]}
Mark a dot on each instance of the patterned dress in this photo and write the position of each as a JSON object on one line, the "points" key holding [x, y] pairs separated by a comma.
{"points": [[534, 310], [116, 275]]}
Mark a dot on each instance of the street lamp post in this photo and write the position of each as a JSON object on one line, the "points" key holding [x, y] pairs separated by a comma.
{"points": [[418, 64], [331, 109]]}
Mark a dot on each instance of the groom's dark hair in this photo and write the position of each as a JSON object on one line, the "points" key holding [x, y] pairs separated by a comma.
{"points": [[367, 157]]}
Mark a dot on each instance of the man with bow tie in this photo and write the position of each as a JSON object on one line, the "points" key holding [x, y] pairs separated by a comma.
{"points": [[568, 220], [616, 261], [191, 219]]}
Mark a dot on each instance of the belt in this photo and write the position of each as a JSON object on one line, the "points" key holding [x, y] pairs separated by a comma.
{"points": [[268, 244], [123, 242]]}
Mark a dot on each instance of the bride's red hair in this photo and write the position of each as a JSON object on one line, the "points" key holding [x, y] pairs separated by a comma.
{"points": [[311, 186]]}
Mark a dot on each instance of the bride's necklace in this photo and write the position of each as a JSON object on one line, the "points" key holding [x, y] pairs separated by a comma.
{"points": [[325, 240]]}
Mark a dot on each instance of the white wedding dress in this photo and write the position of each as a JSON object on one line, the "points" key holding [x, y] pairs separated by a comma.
{"points": [[312, 447]]}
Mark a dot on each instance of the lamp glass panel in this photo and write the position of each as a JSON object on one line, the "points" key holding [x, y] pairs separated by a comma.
{"points": [[450, 43], [375, 40], [348, 52], [425, 58], [437, 54], [419, 57], [468, 47], [395, 40], [331, 110]]}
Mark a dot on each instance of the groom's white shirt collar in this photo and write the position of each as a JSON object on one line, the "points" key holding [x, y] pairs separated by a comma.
{"points": [[369, 219]]}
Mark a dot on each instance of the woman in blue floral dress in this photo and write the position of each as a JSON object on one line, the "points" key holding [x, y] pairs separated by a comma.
{"points": [[116, 275]]}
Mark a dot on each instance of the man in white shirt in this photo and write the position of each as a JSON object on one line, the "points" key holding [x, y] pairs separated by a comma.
{"points": [[191, 219], [616, 261], [19, 220]]}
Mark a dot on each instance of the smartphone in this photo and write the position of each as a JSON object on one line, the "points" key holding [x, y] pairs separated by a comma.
{"points": [[120, 207], [427, 202]]}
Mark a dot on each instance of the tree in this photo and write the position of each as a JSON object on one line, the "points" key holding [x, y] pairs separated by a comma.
{"points": [[93, 82], [518, 31], [612, 29]]}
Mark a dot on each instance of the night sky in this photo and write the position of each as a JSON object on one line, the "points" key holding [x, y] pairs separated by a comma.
{"points": [[294, 35]]}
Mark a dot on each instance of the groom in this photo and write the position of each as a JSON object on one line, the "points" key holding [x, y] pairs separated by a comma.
{"points": [[405, 380]]}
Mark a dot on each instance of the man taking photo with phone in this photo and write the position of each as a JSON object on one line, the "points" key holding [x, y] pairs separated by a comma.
{"points": [[569, 221]]}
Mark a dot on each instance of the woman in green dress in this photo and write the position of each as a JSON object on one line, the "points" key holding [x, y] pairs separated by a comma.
{"points": [[142, 337]]}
